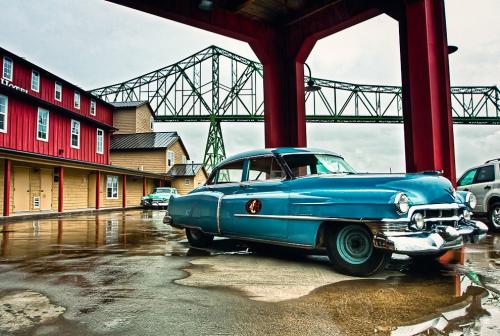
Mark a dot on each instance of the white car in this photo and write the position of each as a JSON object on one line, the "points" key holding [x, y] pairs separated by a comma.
{"points": [[484, 182]]}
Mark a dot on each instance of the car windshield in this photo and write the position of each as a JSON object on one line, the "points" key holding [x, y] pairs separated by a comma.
{"points": [[164, 191], [316, 164]]}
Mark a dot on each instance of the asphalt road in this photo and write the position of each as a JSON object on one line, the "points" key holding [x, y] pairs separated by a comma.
{"points": [[126, 273]]}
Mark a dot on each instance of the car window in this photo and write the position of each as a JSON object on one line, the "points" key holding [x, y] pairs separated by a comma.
{"points": [[264, 168], [485, 174], [467, 178], [312, 164], [230, 173]]}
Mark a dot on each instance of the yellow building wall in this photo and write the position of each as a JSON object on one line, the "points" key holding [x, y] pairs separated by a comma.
{"points": [[194, 182], [76, 189], [134, 191], [152, 161], [125, 121], [111, 202], [179, 152], [143, 119], [2, 167]]}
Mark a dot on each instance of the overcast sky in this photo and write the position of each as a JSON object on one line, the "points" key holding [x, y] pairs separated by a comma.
{"points": [[93, 43]]}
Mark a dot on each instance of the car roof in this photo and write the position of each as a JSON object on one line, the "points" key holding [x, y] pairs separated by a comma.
{"points": [[279, 151]]}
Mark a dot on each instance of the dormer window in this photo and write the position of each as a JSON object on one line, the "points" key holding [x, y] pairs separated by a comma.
{"points": [[93, 107], [58, 91], [8, 68], [76, 100]]}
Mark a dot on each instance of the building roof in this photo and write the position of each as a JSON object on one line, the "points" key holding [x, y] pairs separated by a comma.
{"points": [[150, 140], [185, 169], [132, 104], [18, 58]]}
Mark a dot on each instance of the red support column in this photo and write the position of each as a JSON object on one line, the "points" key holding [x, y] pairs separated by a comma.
{"points": [[426, 88], [144, 183], [6, 188], [60, 201], [124, 192], [284, 97], [98, 190]]}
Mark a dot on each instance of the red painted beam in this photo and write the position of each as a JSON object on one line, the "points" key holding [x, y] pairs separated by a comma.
{"points": [[218, 20], [60, 200], [426, 88], [124, 192], [6, 188], [98, 190]]}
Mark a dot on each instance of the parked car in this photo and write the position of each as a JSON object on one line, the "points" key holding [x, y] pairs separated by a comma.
{"points": [[313, 199], [158, 198], [484, 182]]}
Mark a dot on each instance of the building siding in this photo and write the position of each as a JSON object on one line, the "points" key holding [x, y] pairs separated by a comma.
{"points": [[134, 191], [143, 119], [22, 128], [152, 161], [76, 188], [178, 153], [125, 121], [22, 78], [2, 172]]}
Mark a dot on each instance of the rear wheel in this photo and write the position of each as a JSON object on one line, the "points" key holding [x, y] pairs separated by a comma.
{"points": [[198, 238], [494, 216], [351, 251]]}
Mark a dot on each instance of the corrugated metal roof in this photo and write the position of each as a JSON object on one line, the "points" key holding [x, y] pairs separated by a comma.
{"points": [[151, 140], [129, 104], [185, 169]]}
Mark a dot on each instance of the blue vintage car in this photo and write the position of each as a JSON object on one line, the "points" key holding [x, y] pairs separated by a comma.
{"points": [[313, 199]]}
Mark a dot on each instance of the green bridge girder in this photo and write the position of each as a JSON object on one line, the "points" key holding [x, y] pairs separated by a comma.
{"points": [[216, 86]]}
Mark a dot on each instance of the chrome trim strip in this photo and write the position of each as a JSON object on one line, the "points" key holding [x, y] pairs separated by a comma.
{"points": [[443, 219], [218, 213], [440, 206], [311, 218], [273, 242]]}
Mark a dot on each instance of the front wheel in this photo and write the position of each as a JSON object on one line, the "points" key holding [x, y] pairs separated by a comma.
{"points": [[351, 251], [197, 238], [494, 216]]}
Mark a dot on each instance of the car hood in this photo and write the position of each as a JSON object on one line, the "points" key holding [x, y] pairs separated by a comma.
{"points": [[421, 188], [158, 196]]}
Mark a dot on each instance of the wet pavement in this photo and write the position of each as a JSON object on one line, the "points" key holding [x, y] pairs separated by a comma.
{"points": [[126, 273]]}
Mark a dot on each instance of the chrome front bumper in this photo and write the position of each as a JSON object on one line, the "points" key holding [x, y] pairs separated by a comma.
{"points": [[441, 238]]}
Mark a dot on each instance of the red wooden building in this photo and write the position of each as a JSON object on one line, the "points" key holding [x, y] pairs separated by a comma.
{"points": [[54, 145]]}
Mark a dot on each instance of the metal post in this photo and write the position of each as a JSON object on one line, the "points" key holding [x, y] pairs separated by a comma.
{"points": [[60, 200], [144, 183], [6, 188]]}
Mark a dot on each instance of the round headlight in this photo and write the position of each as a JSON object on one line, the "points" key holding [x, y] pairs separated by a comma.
{"points": [[402, 203], [418, 221], [470, 200]]}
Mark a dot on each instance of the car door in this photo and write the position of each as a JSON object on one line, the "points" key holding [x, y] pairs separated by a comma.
{"points": [[208, 206], [261, 203], [483, 181]]}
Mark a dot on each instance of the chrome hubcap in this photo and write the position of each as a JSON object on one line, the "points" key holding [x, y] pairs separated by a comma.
{"points": [[495, 216], [354, 244]]}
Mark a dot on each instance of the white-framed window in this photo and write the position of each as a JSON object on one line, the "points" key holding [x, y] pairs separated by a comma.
{"points": [[76, 100], [170, 158], [8, 68], [35, 81], [184, 159], [42, 126], [93, 107], [112, 187], [58, 91], [100, 141], [4, 112], [187, 181], [75, 134]]}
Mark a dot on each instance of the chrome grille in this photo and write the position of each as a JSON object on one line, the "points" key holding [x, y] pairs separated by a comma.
{"points": [[433, 217]]}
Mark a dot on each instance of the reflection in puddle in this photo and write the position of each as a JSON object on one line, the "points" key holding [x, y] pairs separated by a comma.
{"points": [[132, 232]]}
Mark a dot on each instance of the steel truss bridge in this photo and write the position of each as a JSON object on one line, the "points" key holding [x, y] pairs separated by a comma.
{"points": [[215, 86]]}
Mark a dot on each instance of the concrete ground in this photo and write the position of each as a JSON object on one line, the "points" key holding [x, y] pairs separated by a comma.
{"points": [[126, 273]]}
